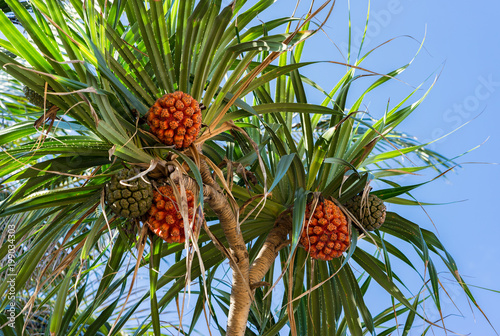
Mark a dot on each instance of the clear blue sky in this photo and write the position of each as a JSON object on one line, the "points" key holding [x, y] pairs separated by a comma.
{"points": [[462, 46]]}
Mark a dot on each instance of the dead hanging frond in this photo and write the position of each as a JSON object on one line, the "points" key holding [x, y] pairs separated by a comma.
{"points": [[195, 154], [229, 172], [249, 201], [103, 207], [209, 180], [233, 166], [217, 243], [191, 242], [61, 267], [248, 176], [179, 191], [48, 117], [230, 126], [191, 228]]}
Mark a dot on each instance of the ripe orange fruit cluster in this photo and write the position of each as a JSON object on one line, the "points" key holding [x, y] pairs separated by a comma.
{"points": [[165, 218], [175, 119], [326, 234]]}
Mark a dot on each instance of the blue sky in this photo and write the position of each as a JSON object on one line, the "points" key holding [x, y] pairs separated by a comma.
{"points": [[462, 46]]}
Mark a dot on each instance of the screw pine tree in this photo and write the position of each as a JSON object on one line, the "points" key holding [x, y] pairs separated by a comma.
{"points": [[203, 188]]}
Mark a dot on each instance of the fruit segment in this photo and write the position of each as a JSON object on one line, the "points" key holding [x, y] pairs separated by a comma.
{"points": [[175, 119], [165, 218], [325, 234], [35, 99], [369, 212], [130, 199]]}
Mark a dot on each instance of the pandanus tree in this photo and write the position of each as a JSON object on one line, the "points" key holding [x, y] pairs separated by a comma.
{"points": [[181, 133]]}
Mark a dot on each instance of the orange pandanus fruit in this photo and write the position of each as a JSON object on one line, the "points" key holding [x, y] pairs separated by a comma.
{"points": [[175, 119], [165, 218], [326, 232]]}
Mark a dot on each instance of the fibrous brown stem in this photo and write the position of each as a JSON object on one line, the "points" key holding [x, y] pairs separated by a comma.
{"points": [[269, 251]]}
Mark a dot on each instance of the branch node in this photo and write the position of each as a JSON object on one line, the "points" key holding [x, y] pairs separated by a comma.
{"points": [[282, 245], [259, 284]]}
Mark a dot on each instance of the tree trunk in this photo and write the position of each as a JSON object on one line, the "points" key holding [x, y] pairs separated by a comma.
{"points": [[240, 303]]}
